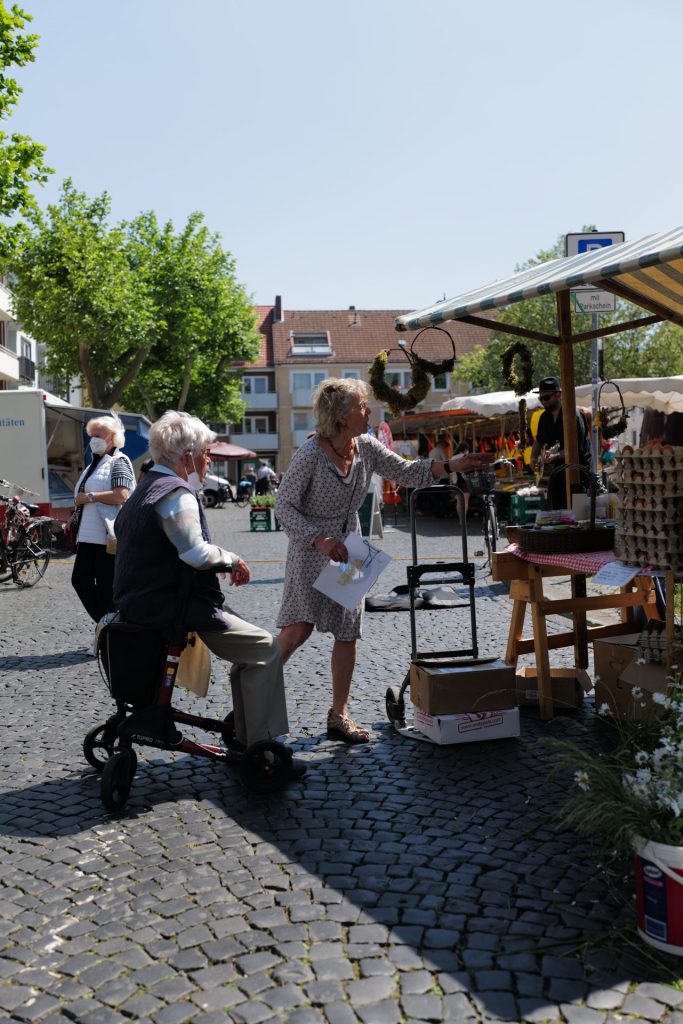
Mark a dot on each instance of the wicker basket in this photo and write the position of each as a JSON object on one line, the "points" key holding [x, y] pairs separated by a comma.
{"points": [[574, 539]]}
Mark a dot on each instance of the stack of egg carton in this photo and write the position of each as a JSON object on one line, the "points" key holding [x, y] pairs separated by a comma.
{"points": [[650, 508]]}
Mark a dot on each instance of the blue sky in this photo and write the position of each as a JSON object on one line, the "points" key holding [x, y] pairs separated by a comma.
{"points": [[380, 153]]}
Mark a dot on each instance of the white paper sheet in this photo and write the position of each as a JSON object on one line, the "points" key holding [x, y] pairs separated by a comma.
{"points": [[616, 574], [347, 583]]}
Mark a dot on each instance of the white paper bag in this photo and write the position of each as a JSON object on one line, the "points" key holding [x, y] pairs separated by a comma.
{"points": [[347, 583]]}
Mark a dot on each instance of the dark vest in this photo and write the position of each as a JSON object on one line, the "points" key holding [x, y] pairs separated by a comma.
{"points": [[148, 572]]}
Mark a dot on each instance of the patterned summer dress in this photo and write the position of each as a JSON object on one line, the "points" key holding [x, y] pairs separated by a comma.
{"points": [[315, 498]]}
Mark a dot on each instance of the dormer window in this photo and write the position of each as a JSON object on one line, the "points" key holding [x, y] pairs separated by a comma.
{"points": [[311, 344]]}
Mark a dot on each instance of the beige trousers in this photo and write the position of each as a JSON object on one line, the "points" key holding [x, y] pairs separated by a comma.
{"points": [[256, 677]]}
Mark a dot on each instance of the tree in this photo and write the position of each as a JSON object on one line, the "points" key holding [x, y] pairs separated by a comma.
{"points": [[146, 318], [483, 368], [21, 159]]}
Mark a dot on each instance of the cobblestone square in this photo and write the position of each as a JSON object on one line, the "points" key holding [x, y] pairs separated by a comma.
{"points": [[400, 882]]}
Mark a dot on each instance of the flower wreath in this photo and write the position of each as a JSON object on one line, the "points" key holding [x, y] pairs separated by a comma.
{"points": [[396, 402], [435, 369], [521, 385]]}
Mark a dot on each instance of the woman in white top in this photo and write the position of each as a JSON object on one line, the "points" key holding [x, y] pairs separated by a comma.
{"points": [[103, 487]]}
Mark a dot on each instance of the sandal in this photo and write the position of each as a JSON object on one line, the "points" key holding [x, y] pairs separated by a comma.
{"points": [[341, 727]]}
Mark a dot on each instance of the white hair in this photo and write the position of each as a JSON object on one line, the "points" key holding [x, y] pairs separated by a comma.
{"points": [[112, 424], [176, 433], [333, 399]]}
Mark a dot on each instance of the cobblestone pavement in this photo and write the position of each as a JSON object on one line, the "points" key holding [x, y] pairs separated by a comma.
{"points": [[399, 882]]}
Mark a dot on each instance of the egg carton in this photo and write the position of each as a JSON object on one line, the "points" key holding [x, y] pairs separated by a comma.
{"points": [[637, 501]]}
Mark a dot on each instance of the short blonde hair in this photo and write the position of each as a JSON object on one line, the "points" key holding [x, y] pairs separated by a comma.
{"points": [[332, 401], [112, 424], [176, 433]]}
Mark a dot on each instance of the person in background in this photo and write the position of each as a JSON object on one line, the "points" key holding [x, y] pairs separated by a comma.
{"points": [[163, 529], [144, 468], [317, 505], [265, 478], [551, 432], [102, 488], [460, 480]]}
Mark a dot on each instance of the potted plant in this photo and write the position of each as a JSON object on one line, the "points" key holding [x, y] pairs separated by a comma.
{"points": [[632, 796], [262, 512]]}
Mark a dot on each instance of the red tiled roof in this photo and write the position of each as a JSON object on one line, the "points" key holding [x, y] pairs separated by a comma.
{"points": [[264, 323], [356, 336]]}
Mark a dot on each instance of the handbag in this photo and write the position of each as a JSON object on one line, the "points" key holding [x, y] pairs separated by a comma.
{"points": [[70, 529]]}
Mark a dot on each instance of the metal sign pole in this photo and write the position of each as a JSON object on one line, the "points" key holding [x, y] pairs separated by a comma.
{"points": [[596, 368]]}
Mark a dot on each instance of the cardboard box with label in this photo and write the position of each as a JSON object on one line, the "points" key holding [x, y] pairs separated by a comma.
{"points": [[471, 727], [568, 687], [455, 686], [617, 673]]}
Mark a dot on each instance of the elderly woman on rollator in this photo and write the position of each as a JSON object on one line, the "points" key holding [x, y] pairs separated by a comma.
{"points": [[317, 504]]}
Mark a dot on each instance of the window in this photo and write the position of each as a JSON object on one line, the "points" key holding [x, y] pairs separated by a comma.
{"points": [[351, 374], [398, 379], [254, 385], [306, 381], [311, 344], [3, 334], [441, 382], [255, 425], [303, 420]]}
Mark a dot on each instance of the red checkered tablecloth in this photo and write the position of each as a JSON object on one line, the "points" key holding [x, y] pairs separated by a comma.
{"points": [[588, 562]]}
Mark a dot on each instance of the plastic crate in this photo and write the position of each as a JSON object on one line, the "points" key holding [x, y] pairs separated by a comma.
{"points": [[523, 509], [260, 520]]}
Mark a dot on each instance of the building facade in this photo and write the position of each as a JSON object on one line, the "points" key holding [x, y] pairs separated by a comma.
{"points": [[300, 348], [18, 352]]}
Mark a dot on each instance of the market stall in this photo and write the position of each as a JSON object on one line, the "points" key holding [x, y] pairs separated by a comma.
{"points": [[648, 273]]}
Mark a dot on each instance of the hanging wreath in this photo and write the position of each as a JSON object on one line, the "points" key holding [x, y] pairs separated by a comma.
{"points": [[611, 422], [397, 402], [520, 383], [435, 369]]}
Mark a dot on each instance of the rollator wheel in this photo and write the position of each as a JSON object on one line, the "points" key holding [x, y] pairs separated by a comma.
{"points": [[96, 749], [228, 732], [396, 709], [265, 766], [117, 778]]}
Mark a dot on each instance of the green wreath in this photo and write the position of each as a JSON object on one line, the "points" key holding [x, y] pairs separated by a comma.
{"points": [[521, 385], [396, 402], [611, 422], [523, 424]]}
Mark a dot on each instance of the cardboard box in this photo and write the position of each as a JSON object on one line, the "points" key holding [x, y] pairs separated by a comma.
{"points": [[455, 686], [617, 673], [568, 686], [468, 728]]}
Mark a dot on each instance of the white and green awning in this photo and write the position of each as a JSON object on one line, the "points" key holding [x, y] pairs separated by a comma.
{"points": [[647, 272]]}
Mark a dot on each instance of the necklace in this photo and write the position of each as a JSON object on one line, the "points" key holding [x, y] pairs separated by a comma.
{"points": [[342, 454]]}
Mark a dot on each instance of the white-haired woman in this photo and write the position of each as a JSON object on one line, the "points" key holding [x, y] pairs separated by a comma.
{"points": [[102, 488], [162, 529], [317, 504]]}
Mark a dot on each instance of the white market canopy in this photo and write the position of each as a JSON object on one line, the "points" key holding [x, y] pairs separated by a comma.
{"points": [[497, 403], [665, 394]]}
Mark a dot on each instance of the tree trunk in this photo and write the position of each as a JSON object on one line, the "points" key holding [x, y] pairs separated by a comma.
{"points": [[184, 391]]}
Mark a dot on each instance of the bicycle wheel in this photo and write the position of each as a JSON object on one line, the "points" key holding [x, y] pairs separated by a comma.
{"points": [[490, 531], [241, 500], [29, 558]]}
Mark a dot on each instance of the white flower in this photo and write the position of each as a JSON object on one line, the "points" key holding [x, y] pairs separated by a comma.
{"points": [[641, 757], [640, 661], [604, 709], [582, 780], [659, 698], [637, 693]]}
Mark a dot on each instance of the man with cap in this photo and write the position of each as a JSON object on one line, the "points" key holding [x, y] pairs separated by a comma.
{"points": [[551, 432]]}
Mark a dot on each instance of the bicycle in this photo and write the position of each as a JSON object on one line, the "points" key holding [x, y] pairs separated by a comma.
{"points": [[25, 549], [244, 492]]}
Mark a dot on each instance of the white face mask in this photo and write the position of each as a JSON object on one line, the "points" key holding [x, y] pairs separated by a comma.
{"points": [[98, 445], [193, 478]]}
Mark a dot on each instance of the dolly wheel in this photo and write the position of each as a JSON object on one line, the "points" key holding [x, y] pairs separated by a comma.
{"points": [[396, 709], [117, 778], [265, 766], [96, 748]]}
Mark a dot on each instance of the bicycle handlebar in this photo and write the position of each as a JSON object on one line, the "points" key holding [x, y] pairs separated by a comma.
{"points": [[17, 487]]}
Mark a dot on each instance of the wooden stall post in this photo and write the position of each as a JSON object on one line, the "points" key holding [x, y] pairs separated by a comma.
{"points": [[571, 445]]}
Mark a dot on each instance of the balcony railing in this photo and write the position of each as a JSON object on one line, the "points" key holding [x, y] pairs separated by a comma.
{"points": [[261, 401], [27, 369], [257, 442]]}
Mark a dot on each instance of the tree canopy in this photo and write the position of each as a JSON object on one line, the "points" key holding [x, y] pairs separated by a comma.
{"points": [[21, 159], [640, 352], [146, 317]]}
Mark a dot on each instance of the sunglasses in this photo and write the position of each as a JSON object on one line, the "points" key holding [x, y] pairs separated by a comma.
{"points": [[546, 398]]}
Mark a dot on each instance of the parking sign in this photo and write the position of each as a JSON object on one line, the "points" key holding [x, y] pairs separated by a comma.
{"points": [[588, 298]]}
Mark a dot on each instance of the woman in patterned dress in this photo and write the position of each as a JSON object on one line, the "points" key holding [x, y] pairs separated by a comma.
{"points": [[317, 505]]}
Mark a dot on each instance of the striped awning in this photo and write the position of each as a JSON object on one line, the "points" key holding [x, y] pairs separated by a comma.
{"points": [[647, 272]]}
